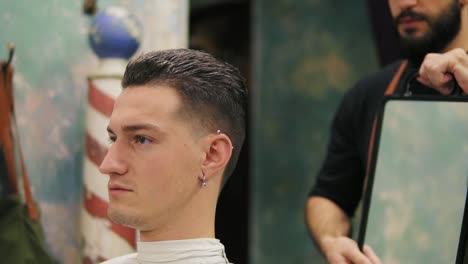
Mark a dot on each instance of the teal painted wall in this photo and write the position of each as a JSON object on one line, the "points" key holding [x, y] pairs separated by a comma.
{"points": [[307, 53], [52, 62]]}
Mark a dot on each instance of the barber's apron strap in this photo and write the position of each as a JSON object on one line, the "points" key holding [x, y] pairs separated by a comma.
{"points": [[389, 91]]}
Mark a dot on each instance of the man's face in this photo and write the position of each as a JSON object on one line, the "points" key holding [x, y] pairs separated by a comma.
{"points": [[425, 25], [154, 161]]}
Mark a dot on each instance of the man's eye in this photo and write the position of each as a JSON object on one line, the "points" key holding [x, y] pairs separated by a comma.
{"points": [[142, 140], [111, 140]]}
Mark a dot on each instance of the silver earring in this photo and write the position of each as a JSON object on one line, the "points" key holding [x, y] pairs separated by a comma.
{"points": [[203, 180], [218, 132]]}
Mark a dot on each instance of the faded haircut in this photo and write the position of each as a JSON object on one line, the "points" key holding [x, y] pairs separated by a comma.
{"points": [[213, 92]]}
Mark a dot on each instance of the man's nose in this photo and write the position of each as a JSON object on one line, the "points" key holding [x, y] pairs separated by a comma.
{"points": [[113, 162], [405, 4]]}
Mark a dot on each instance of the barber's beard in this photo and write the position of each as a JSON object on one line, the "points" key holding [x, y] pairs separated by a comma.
{"points": [[443, 30]]}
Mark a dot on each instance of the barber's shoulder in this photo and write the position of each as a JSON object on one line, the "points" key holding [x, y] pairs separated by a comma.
{"points": [[125, 259], [377, 81]]}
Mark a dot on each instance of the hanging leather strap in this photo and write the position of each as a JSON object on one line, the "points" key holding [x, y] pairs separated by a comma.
{"points": [[7, 140], [389, 91], [396, 78]]}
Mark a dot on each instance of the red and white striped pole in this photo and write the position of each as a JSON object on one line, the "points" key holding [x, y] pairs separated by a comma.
{"points": [[114, 37], [103, 239]]}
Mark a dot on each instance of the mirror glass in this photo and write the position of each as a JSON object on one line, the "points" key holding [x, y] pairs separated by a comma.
{"points": [[419, 182]]}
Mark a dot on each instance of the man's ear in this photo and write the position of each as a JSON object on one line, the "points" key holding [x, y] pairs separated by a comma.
{"points": [[218, 152]]}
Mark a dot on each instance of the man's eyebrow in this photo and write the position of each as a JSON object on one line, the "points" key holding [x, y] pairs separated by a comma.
{"points": [[136, 127]]}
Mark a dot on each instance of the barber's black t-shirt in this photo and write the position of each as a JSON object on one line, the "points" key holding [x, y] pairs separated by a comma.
{"points": [[341, 177]]}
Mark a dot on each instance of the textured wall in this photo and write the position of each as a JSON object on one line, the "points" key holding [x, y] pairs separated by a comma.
{"points": [[52, 62], [307, 53]]}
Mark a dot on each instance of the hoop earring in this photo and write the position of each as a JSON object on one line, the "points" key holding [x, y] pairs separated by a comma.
{"points": [[203, 184]]}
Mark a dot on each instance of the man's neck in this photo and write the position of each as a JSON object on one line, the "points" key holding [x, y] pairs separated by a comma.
{"points": [[174, 232], [195, 220], [461, 40]]}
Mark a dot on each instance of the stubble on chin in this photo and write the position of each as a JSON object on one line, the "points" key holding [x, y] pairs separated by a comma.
{"points": [[124, 218]]}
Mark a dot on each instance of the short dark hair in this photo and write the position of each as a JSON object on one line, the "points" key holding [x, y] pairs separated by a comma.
{"points": [[213, 92]]}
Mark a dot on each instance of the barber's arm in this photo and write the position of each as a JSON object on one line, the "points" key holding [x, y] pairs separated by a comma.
{"points": [[329, 226], [338, 188], [438, 70]]}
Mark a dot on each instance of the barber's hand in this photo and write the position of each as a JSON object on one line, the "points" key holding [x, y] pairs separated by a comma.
{"points": [[343, 250], [438, 70]]}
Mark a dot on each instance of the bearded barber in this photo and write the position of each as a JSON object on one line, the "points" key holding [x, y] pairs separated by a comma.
{"points": [[434, 39]]}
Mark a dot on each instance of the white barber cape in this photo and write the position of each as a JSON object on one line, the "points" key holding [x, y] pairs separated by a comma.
{"points": [[189, 251]]}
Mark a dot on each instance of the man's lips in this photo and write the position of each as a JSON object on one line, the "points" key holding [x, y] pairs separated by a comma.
{"points": [[118, 187], [409, 21]]}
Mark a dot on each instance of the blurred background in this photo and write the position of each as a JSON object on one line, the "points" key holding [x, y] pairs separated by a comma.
{"points": [[298, 56]]}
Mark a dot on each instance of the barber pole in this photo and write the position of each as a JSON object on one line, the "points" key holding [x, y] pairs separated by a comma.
{"points": [[114, 37], [102, 238]]}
